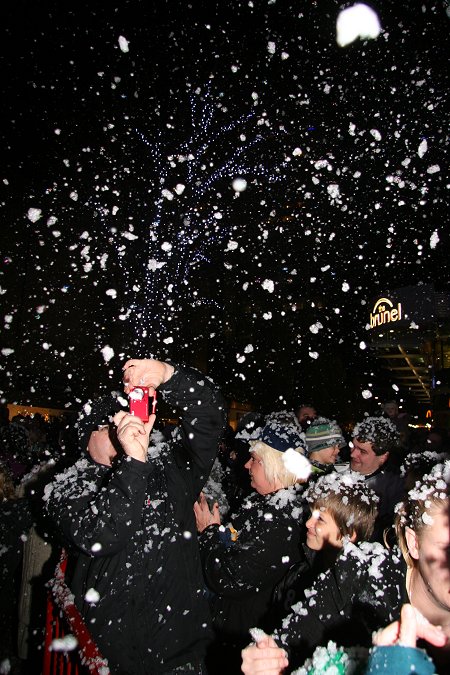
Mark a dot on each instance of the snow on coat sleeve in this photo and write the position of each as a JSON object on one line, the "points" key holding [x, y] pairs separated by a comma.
{"points": [[257, 558], [361, 593], [203, 416], [96, 518]]}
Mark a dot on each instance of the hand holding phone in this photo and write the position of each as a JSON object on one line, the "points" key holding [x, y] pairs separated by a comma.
{"points": [[139, 403]]}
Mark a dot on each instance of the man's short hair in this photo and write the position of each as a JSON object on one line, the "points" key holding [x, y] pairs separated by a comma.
{"points": [[349, 500], [380, 432]]}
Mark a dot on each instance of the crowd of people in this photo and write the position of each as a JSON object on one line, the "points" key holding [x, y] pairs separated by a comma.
{"points": [[281, 546]]}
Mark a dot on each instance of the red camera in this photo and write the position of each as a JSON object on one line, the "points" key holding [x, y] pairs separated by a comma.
{"points": [[139, 403]]}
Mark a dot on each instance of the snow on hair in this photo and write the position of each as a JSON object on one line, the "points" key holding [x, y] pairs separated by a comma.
{"points": [[274, 467], [430, 492]]}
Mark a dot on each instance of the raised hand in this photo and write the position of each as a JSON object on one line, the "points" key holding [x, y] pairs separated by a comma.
{"points": [[134, 434], [412, 626], [263, 657], [146, 373], [203, 515]]}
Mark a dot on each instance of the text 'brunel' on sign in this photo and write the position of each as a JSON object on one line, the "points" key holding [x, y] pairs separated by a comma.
{"points": [[384, 312]]}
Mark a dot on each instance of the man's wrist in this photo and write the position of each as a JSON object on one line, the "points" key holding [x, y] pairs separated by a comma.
{"points": [[168, 372]]}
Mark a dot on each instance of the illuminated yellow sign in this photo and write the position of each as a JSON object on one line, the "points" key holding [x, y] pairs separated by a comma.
{"points": [[384, 312]]}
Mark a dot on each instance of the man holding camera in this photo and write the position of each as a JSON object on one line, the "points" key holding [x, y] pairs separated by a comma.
{"points": [[130, 524]]}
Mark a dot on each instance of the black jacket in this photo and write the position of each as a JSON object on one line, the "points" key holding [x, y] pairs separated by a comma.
{"points": [[362, 592], [242, 576], [134, 530]]}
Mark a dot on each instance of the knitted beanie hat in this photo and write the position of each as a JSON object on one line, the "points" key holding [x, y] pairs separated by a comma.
{"points": [[281, 437], [95, 413], [323, 433]]}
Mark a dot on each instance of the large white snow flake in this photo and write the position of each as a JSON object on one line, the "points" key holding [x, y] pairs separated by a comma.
{"points": [[268, 285], [366, 393], [154, 265], [423, 147], [315, 327], [239, 184], [92, 596], [297, 464], [232, 245], [358, 21], [107, 353], [434, 239], [123, 44], [34, 214], [65, 644]]}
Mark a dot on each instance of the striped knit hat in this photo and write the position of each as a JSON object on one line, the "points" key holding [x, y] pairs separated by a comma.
{"points": [[323, 433]]}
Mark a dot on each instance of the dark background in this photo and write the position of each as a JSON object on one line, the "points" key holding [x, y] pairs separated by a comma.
{"points": [[81, 116]]}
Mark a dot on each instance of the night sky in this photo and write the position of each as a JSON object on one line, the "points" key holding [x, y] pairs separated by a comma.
{"points": [[138, 244]]}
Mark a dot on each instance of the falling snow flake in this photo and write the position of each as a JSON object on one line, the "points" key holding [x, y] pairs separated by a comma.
{"points": [[268, 285], [333, 191], [357, 21], [34, 214], [154, 265], [315, 327], [434, 239], [366, 393], [123, 44], [107, 353], [92, 596], [434, 168], [423, 147], [239, 184], [232, 245]]}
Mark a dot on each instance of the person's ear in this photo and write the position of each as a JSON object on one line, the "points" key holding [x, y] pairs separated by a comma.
{"points": [[384, 458], [353, 537], [412, 543]]}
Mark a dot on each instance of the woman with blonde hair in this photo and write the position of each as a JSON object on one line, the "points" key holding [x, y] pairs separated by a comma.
{"points": [[243, 562]]}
